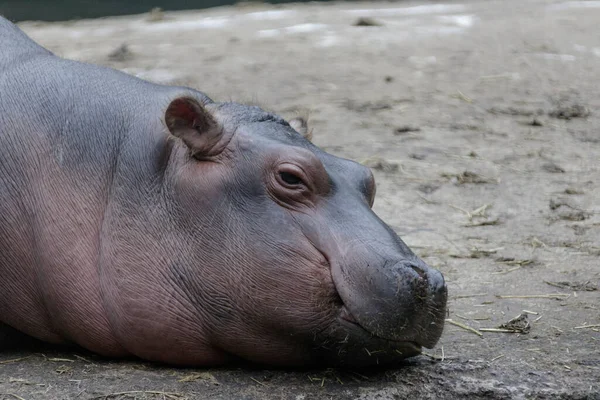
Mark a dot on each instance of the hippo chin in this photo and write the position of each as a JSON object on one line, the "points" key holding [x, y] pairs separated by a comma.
{"points": [[146, 220]]}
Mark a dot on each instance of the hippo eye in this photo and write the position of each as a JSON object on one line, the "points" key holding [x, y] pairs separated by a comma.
{"points": [[290, 178]]}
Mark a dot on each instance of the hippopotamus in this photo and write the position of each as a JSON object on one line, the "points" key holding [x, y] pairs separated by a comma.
{"points": [[149, 221]]}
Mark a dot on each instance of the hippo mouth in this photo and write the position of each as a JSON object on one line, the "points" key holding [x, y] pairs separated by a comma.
{"points": [[349, 322]]}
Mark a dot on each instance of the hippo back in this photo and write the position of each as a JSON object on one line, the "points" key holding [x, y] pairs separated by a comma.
{"points": [[72, 134], [15, 45]]}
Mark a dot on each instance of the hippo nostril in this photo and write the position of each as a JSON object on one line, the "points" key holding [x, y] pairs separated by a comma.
{"points": [[422, 274]]}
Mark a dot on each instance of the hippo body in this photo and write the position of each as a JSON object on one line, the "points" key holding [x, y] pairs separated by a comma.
{"points": [[146, 220]]}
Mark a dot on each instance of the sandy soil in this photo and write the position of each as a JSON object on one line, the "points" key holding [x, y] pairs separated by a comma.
{"points": [[481, 121]]}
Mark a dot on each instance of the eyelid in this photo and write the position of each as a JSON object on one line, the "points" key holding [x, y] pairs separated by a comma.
{"points": [[294, 170], [294, 175]]}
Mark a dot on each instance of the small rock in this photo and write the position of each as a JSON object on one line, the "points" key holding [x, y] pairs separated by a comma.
{"points": [[570, 111], [417, 156], [553, 168], [465, 127], [467, 177], [122, 53], [388, 79], [405, 129], [571, 190], [156, 15], [380, 164], [557, 203], [366, 21], [574, 215], [566, 211], [536, 122], [427, 188]]}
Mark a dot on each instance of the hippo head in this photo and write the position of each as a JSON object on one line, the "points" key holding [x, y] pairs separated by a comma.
{"points": [[285, 262]]}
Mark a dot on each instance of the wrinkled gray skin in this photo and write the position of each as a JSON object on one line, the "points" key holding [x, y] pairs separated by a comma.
{"points": [[146, 220]]}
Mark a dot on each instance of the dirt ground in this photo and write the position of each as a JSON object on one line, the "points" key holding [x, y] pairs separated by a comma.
{"points": [[481, 120]]}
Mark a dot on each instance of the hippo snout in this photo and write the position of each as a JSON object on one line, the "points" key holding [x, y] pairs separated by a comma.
{"points": [[398, 300]]}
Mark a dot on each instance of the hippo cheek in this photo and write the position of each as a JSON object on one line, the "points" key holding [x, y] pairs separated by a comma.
{"points": [[397, 300]]}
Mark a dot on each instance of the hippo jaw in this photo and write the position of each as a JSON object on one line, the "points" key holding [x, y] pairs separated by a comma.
{"points": [[389, 302]]}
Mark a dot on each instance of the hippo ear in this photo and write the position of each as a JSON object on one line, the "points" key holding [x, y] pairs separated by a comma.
{"points": [[188, 120], [301, 126]]}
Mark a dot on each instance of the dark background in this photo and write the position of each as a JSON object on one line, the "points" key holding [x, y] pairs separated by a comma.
{"points": [[60, 10]]}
